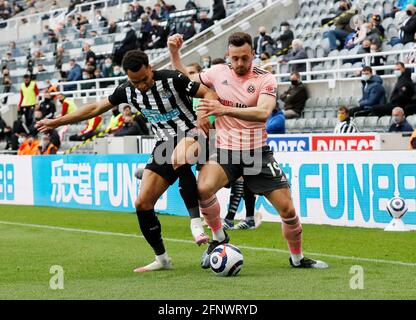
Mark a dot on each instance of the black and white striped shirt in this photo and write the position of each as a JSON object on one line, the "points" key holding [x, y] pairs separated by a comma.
{"points": [[167, 105], [346, 127]]}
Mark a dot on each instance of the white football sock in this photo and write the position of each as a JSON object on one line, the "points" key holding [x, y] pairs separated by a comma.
{"points": [[296, 258], [196, 227]]}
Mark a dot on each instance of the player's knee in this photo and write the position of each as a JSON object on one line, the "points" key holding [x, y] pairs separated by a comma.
{"points": [[143, 205], [287, 211], [205, 190]]}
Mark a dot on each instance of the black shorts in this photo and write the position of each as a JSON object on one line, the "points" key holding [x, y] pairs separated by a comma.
{"points": [[258, 167], [160, 163]]}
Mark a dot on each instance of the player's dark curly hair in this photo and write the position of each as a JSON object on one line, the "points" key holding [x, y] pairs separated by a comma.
{"points": [[134, 60], [238, 39]]}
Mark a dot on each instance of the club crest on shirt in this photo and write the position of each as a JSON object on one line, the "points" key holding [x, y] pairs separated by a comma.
{"points": [[165, 94], [251, 88]]}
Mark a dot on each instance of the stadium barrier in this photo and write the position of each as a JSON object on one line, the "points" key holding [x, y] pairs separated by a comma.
{"points": [[333, 188]]}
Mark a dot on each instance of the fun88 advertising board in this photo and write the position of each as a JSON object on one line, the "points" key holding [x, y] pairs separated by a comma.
{"points": [[101, 182], [346, 188]]}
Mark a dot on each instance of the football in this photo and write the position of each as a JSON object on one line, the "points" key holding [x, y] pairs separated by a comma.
{"points": [[397, 207], [226, 260]]}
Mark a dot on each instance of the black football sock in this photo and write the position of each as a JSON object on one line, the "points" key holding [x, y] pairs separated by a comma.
{"points": [[237, 191], [188, 189], [151, 230], [249, 200]]}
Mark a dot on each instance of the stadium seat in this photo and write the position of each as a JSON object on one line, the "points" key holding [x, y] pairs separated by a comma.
{"points": [[370, 123], [384, 122]]}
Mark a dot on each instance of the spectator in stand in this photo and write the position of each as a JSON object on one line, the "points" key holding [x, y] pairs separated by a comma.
{"points": [[413, 140], [89, 54], [285, 39], [28, 145], [400, 123], [373, 93], [116, 121], [5, 133], [296, 53], [376, 20], [93, 128], [6, 82], [187, 30], [68, 106], [29, 93], [263, 42], [158, 36], [342, 26], [145, 30], [193, 68], [107, 68], [97, 74], [40, 68], [82, 34], [59, 58], [102, 21], [46, 147], [112, 28], [204, 21], [218, 10], [74, 74], [159, 13], [365, 47], [276, 122], [53, 134], [128, 43], [377, 61], [52, 38], [87, 76], [402, 93], [47, 106], [5, 10], [132, 125], [265, 59], [206, 62], [135, 11], [295, 97], [408, 28], [117, 72], [345, 124], [50, 87], [16, 52], [190, 5]]}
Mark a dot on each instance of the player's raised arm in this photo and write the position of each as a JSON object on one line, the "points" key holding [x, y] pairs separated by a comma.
{"points": [[85, 112], [259, 113], [174, 44]]}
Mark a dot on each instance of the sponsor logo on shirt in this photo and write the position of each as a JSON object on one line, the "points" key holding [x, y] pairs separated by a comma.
{"points": [[154, 116]]}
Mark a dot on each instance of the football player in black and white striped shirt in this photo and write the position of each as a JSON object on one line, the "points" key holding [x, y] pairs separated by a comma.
{"points": [[164, 98], [345, 124]]}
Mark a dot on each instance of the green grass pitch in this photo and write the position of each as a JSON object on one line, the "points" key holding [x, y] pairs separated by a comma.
{"points": [[98, 263]]}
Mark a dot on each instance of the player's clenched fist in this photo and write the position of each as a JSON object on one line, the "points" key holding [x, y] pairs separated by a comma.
{"points": [[175, 42]]}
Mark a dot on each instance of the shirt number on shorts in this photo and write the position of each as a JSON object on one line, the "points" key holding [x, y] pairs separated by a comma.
{"points": [[273, 166]]}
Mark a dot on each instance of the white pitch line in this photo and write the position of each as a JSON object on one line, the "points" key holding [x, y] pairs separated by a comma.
{"points": [[130, 235]]}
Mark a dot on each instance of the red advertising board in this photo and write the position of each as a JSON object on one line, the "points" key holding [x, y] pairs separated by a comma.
{"points": [[345, 142]]}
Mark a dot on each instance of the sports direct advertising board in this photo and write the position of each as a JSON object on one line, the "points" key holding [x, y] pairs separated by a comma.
{"points": [[324, 142], [335, 188]]}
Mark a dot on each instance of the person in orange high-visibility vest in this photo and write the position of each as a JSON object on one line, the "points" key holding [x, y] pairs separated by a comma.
{"points": [[93, 127], [29, 93], [46, 147], [29, 145]]}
